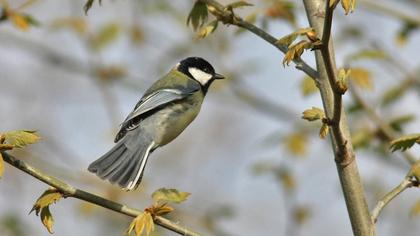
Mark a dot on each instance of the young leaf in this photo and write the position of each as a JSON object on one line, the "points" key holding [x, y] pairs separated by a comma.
{"points": [[361, 77], [308, 86], [348, 5], [1, 166], [208, 29], [342, 79], [143, 222], [239, 4], [21, 138], [169, 195], [198, 15], [323, 132], [88, 5], [49, 197], [159, 210], [313, 114], [404, 142], [47, 219], [287, 40], [295, 51]]}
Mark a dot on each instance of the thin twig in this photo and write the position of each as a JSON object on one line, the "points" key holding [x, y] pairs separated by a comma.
{"points": [[341, 142], [408, 182], [227, 17], [70, 191]]}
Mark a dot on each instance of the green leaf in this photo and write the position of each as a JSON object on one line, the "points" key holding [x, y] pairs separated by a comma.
{"points": [[239, 4], [290, 38], [106, 35], [308, 86], [169, 195], [88, 5], [208, 29], [142, 223], [198, 15], [313, 114], [404, 142], [21, 138]]}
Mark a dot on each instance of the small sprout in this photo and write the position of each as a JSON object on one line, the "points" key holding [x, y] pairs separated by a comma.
{"points": [[323, 132], [313, 114], [342, 82], [42, 205]]}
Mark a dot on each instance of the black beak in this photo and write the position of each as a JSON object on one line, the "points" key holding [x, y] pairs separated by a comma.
{"points": [[218, 76]]}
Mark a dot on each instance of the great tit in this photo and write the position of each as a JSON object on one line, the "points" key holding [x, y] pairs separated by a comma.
{"points": [[163, 112]]}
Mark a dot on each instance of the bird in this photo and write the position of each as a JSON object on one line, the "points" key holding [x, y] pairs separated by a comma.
{"points": [[163, 112]]}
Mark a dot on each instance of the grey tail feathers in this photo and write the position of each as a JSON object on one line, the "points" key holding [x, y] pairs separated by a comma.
{"points": [[124, 163]]}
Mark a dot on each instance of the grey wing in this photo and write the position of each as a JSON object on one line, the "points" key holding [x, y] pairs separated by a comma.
{"points": [[151, 102]]}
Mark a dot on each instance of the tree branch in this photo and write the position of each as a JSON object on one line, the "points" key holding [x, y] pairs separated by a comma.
{"points": [[341, 141], [408, 182], [70, 191], [228, 17]]}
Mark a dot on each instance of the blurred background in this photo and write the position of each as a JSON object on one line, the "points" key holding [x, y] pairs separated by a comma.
{"points": [[252, 165]]}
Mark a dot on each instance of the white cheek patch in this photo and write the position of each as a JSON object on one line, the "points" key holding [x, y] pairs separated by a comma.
{"points": [[200, 75]]}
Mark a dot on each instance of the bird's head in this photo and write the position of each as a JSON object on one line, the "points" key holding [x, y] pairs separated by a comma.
{"points": [[199, 69]]}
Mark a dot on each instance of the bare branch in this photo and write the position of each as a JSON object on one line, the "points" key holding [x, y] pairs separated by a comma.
{"points": [[408, 182], [70, 191]]}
